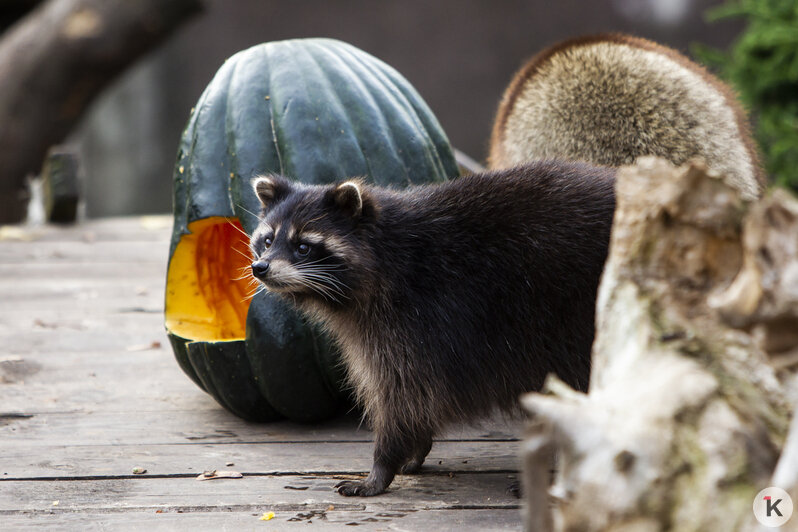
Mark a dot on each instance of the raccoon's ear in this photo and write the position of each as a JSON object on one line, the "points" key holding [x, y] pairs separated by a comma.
{"points": [[348, 196], [270, 189]]}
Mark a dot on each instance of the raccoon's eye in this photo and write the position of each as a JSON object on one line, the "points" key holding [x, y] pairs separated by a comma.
{"points": [[267, 242], [302, 250]]}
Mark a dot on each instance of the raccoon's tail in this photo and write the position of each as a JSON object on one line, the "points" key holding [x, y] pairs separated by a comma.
{"points": [[609, 99]]}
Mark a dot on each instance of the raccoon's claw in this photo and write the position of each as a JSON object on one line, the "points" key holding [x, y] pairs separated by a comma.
{"points": [[357, 488]]}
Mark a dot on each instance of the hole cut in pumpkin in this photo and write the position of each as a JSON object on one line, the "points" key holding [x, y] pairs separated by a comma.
{"points": [[208, 285]]}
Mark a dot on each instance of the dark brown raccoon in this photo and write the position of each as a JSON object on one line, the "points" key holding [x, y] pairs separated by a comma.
{"points": [[447, 300]]}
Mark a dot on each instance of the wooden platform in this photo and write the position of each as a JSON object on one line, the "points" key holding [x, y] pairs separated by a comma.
{"points": [[89, 390]]}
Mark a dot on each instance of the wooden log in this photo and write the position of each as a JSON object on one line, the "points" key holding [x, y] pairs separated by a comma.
{"points": [[54, 62], [685, 417], [13, 10]]}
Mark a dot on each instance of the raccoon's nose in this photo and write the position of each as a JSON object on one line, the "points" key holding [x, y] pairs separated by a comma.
{"points": [[260, 268]]}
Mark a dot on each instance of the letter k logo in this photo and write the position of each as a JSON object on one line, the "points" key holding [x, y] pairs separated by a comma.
{"points": [[772, 506]]}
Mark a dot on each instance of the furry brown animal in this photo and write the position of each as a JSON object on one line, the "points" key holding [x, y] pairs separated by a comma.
{"points": [[609, 99], [447, 300]]}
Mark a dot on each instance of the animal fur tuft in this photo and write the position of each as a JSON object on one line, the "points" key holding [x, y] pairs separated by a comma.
{"points": [[609, 99]]}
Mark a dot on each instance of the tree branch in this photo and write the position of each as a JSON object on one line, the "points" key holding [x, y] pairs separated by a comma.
{"points": [[54, 62]]}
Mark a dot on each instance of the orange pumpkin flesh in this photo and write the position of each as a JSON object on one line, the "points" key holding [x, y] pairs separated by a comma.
{"points": [[208, 283]]}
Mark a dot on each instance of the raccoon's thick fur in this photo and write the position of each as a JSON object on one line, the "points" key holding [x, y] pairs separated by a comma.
{"points": [[447, 300], [609, 99]]}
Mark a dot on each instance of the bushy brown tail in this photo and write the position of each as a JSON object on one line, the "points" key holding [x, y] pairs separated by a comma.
{"points": [[609, 99]]}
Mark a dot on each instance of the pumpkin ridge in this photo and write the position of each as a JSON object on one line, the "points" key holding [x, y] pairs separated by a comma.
{"points": [[344, 113], [435, 136], [392, 87], [389, 91], [277, 139]]}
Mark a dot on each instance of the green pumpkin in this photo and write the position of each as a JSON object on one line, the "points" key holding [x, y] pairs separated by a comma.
{"points": [[314, 110]]}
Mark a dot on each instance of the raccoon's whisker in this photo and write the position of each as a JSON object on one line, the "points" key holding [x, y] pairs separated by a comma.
{"points": [[254, 289], [319, 289], [331, 294], [321, 269], [337, 289], [249, 296], [234, 226], [321, 276], [253, 294], [246, 210], [317, 284], [249, 257], [317, 263], [308, 263]]}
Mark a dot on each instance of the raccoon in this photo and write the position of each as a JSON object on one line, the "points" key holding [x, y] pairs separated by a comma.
{"points": [[449, 300], [609, 99]]}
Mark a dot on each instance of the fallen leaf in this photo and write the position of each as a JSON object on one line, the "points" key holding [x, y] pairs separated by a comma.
{"points": [[139, 470], [144, 347], [212, 475], [267, 516], [14, 233], [156, 223]]}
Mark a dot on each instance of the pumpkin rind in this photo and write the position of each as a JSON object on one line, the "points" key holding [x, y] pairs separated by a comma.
{"points": [[222, 367], [316, 110], [275, 334]]}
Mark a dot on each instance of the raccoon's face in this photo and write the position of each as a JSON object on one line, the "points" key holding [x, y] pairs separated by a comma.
{"points": [[306, 243]]}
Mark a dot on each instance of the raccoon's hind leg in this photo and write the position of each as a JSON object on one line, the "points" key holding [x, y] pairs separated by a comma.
{"points": [[391, 451], [420, 452]]}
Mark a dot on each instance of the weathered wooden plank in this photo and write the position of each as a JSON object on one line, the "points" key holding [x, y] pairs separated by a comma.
{"points": [[49, 322], [70, 253], [208, 425], [150, 228], [255, 493], [105, 284], [145, 308], [64, 462], [52, 271], [119, 382], [90, 301], [493, 519], [44, 338]]}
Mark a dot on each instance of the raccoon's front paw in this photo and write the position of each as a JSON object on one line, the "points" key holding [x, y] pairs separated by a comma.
{"points": [[358, 488]]}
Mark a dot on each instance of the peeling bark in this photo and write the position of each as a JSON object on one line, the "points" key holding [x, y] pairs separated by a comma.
{"points": [[685, 415]]}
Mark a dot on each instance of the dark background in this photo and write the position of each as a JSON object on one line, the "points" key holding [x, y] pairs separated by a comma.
{"points": [[459, 54]]}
